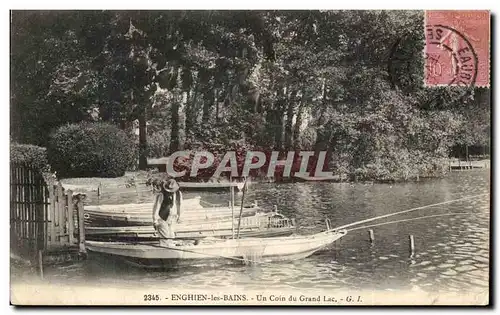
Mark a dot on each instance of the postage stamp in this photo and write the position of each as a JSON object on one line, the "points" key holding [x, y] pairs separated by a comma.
{"points": [[222, 157], [457, 48]]}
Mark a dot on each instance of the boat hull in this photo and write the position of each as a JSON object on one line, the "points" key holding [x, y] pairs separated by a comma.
{"points": [[144, 217], [239, 250], [228, 233]]}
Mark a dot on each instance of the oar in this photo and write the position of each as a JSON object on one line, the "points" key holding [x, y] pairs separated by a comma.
{"points": [[406, 220], [406, 211], [241, 209]]}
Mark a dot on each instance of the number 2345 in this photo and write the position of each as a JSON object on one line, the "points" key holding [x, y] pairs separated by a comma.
{"points": [[151, 297]]}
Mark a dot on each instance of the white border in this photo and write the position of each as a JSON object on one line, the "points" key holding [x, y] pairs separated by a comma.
{"points": [[212, 4]]}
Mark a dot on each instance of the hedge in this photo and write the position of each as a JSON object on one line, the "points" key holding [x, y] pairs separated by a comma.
{"points": [[29, 155], [91, 149]]}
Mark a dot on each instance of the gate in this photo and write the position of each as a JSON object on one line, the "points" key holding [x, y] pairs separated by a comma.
{"points": [[42, 217]]}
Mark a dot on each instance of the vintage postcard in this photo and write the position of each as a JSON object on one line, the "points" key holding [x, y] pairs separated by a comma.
{"points": [[319, 157]]}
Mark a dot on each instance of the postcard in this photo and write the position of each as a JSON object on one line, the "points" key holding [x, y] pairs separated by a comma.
{"points": [[250, 157]]}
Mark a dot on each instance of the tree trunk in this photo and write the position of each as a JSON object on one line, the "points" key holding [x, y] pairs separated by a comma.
{"points": [[289, 120], [216, 102], [208, 99], [278, 120], [191, 111], [174, 134], [143, 145], [298, 123]]}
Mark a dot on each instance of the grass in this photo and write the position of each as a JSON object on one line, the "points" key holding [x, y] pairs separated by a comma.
{"points": [[129, 188]]}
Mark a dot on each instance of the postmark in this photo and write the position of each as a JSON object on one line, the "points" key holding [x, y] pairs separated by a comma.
{"points": [[456, 48]]}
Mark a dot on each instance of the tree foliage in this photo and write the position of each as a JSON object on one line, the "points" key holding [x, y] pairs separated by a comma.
{"points": [[348, 82]]}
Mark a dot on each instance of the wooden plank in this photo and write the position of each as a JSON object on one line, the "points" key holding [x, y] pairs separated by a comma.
{"points": [[70, 222], [81, 227], [38, 213], [13, 206], [16, 171], [46, 209], [52, 210], [23, 212], [29, 207], [60, 212]]}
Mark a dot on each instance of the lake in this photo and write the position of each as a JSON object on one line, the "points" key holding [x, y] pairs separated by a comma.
{"points": [[451, 252]]}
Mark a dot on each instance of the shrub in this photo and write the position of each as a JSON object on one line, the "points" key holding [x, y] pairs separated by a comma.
{"points": [[29, 155], [158, 144], [91, 150]]}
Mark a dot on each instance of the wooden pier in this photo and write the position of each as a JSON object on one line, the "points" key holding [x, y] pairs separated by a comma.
{"points": [[460, 165], [46, 221]]}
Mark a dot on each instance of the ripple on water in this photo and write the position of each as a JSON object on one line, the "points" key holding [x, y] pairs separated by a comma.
{"points": [[449, 272], [465, 268], [466, 262]]}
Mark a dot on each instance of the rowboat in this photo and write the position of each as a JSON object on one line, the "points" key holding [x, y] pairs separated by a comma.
{"points": [[180, 250], [139, 214], [157, 254], [262, 224], [96, 216]]}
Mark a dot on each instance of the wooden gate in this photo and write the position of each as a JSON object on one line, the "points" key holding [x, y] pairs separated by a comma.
{"points": [[43, 217]]}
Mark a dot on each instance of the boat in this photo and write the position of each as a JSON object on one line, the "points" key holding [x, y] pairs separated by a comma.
{"points": [[240, 247], [139, 214], [143, 216], [259, 225], [245, 250]]}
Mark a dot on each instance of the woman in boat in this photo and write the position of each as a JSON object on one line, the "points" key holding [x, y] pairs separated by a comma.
{"points": [[166, 210]]}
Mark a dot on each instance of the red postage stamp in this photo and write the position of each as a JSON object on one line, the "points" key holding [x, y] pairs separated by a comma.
{"points": [[457, 48]]}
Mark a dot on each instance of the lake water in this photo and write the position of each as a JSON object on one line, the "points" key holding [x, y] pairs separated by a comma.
{"points": [[451, 252]]}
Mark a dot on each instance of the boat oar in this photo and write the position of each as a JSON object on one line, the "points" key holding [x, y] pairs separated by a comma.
{"points": [[406, 220], [406, 211], [241, 209]]}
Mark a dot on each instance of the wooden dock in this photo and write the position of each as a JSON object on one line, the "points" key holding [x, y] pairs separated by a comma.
{"points": [[461, 165]]}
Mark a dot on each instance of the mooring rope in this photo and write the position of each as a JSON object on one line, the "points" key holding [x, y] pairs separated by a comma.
{"points": [[406, 211], [406, 220]]}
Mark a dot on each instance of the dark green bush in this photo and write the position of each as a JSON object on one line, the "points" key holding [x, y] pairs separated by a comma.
{"points": [[158, 143], [91, 150], [29, 155]]}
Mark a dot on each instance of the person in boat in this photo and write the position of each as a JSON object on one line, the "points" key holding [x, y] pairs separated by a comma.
{"points": [[166, 210]]}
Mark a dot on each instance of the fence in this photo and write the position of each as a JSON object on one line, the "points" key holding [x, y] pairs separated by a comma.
{"points": [[43, 217]]}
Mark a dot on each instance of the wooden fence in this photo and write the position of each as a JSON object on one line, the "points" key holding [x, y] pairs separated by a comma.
{"points": [[43, 217]]}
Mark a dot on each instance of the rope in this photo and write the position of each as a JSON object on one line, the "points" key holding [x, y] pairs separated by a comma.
{"points": [[406, 211], [406, 220]]}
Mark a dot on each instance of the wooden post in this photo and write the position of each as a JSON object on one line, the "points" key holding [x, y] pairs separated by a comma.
{"points": [[371, 236], [241, 209], [52, 215], [81, 224], [61, 213], [99, 194], [40, 264], [70, 221], [412, 246], [232, 209]]}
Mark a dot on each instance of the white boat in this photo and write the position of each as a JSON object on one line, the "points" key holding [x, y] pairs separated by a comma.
{"points": [[140, 214], [262, 224], [155, 254]]}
